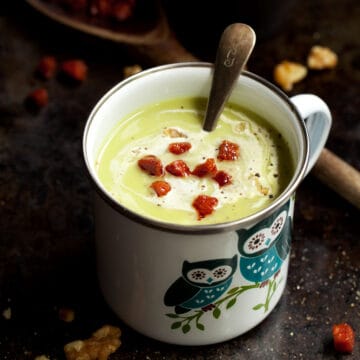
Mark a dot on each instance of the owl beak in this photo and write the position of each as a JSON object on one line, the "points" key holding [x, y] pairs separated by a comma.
{"points": [[209, 280]]}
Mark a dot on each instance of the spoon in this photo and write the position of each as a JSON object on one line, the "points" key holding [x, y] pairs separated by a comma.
{"points": [[235, 46]]}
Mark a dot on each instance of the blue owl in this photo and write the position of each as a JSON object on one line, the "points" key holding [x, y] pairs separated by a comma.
{"points": [[201, 284], [264, 247]]}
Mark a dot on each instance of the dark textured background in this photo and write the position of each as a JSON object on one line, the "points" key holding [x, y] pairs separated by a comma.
{"points": [[46, 220]]}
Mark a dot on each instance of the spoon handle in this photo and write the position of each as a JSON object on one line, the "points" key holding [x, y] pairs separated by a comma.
{"points": [[235, 47]]}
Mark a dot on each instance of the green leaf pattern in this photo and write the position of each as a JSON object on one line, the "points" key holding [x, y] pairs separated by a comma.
{"points": [[185, 322]]}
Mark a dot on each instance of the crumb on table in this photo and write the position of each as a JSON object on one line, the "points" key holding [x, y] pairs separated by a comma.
{"points": [[66, 314], [7, 313], [131, 70]]}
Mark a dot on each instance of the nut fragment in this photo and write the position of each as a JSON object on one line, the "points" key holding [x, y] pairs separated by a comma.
{"points": [[7, 313], [260, 188], [131, 70], [173, 133], [42, 357], [287, 73], [321, 57], [103, 342]]}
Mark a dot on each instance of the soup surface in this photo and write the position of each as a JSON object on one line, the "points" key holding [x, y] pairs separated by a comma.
{"points": [[158, 162]]}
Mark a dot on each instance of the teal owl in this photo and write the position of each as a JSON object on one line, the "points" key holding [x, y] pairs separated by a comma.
{"points": [[264, 247], [201, 284]]}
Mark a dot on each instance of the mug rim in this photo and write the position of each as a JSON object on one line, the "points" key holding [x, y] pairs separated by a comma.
{"points": [[242, 222]]}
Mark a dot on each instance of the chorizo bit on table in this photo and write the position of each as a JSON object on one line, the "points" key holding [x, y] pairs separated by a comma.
{"points": [[161, 187], [204, 205], [343, 337], [151, 165], [321, 58], [100, 346], [47, 67], [178, 168], [228, 151], [75, 69], [287, 73], [38, 98]]}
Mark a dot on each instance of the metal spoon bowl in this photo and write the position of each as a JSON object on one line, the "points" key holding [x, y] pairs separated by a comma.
{"points": [[235, 46]]}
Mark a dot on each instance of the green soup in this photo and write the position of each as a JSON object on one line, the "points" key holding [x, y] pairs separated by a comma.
{"points": [[259, 174]]}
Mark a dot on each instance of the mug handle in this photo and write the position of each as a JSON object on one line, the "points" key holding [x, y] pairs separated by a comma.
{"points": [[317, 118], [329, 168]]}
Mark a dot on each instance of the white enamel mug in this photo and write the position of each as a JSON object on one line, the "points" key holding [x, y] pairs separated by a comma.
{"points": [[203, 284]]}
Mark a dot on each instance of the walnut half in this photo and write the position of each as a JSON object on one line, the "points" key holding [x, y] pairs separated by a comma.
{"points": [[287, 73], [321, 57], [100, 346]]}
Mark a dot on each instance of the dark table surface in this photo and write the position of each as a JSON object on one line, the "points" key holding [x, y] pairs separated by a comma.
{"points": [[47, 258]]}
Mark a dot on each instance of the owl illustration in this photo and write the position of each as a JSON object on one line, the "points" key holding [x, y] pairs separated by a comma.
{"points": [[264, 247], [201, 284]]}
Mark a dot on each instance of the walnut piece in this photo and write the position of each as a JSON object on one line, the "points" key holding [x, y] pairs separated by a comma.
{"points": [[174, 133], [287, 73], [7, 313], [103, 342], [42, 357], [131, 70], [260, 188], [321, 57]]}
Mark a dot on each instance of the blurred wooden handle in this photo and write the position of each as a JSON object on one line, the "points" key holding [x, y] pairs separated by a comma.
{"points": [[339, 176]]}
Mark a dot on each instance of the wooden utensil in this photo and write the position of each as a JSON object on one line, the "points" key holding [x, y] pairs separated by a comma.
{"points": [[339, 176], [156, 44], [149, 35]]}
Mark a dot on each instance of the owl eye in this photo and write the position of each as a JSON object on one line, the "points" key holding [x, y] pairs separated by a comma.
{"points": [[278, 224], [221, 272], [258, 241], [198, 275]]}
